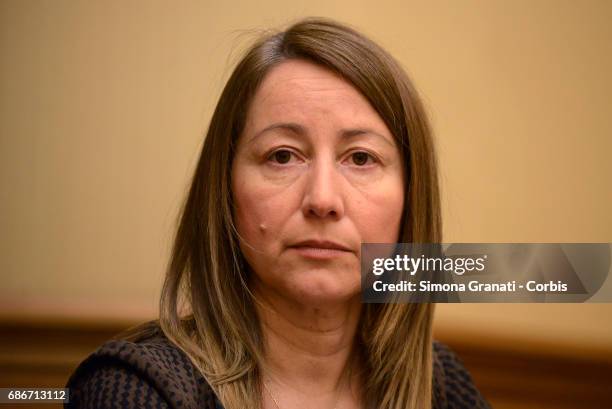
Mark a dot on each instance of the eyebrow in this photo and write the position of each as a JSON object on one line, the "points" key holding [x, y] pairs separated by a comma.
{"points": [[299, 130]]}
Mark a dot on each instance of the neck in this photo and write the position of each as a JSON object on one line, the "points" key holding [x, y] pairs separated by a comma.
{"points": [[308, 349]]}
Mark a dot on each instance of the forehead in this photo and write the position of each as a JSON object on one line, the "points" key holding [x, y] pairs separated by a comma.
{"points": [[295, 76], [302, 90]]}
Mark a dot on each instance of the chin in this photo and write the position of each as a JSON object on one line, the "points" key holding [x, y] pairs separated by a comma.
{"points": [[317, 291]]}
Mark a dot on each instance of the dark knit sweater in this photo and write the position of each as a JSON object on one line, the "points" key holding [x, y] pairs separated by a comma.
{"points": [[154, 373]]}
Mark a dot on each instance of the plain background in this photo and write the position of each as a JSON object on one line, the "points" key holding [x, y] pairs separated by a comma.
{"points": [[103, 107]]}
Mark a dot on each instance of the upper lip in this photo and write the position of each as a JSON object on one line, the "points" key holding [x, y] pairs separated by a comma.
{"points": [[321, 244]]}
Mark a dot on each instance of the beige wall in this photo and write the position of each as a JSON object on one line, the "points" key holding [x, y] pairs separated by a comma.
{"points": [[103, 106]]}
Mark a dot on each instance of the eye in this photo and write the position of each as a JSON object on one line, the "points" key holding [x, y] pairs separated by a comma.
{"points": [[281, 156], [361, 158]]}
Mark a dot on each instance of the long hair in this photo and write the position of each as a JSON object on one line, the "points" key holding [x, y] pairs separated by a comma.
{"points": [[219, 329]]}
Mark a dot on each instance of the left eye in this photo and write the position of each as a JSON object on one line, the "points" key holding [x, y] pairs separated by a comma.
{"points": [[361, 158], [282, 156]]}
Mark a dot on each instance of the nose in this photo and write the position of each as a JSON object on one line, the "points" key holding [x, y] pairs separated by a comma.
{"points": [[323, 192]]}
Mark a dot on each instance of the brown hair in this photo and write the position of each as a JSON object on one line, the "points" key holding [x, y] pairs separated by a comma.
{"points": [[220, 330]]}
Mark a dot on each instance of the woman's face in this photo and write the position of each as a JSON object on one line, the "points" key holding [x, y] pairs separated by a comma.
{"points": [[316, 173]]}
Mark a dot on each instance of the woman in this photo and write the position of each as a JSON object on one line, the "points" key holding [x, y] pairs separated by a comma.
{"points": [[319, 142]]}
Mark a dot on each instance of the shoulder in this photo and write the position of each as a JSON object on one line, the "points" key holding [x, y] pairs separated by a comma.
{"points": [[453, 384], [151, 372]]}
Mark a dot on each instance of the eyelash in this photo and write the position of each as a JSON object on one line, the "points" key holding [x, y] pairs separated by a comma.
{"points": [[270, 157]]}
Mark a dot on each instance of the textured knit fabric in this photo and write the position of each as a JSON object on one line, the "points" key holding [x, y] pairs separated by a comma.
{"points": [[154, 373]]}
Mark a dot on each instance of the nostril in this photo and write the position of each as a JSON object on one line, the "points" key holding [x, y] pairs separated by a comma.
{"points": [[322, 212]]}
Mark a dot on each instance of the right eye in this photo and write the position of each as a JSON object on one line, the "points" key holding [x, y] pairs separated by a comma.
{"points": [[281, 156]]}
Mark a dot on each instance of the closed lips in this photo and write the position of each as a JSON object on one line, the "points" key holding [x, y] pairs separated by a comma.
{"points": [[321, 245]]}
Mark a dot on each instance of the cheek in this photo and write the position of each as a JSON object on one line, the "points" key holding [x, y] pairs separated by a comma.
{"points": [[259, 214], [249, 212], [379, 213]]}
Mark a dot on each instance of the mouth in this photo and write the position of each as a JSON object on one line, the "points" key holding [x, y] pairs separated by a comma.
{"points": [[320, 249]]}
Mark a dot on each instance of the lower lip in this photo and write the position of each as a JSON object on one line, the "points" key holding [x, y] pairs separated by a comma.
{"points": [[319, 253]]}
